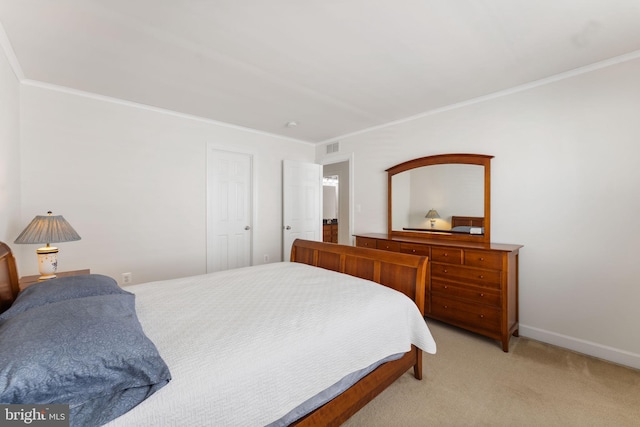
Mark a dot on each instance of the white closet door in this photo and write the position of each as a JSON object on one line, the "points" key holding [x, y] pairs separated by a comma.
{"points": [[229, 210]]}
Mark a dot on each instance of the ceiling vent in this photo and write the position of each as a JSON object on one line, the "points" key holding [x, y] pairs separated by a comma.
{"points": [[333, 148]]}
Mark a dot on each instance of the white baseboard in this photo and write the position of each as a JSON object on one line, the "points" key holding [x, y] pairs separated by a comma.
{"points": [[600, 351]]}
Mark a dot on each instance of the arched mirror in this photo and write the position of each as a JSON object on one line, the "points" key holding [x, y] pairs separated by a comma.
{"points": [[445, 196]]}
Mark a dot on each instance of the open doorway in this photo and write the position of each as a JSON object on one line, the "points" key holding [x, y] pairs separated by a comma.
{"points": [[336, 203]]}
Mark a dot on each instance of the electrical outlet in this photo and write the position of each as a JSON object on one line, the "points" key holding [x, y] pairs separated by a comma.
{"points": [[126, 278]]}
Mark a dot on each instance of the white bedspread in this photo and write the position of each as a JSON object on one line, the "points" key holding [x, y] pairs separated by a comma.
{"points": [[246, 346]]}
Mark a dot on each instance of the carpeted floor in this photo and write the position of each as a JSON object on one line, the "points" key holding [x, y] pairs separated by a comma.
{"points": [[471, 382]]}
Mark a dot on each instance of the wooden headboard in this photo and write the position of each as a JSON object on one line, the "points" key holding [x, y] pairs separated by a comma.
{"points": [[402, 272], [9, 285], [469, 221]]}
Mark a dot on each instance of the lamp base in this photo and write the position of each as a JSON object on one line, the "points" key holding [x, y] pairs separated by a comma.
{"points": [[47, 262]]}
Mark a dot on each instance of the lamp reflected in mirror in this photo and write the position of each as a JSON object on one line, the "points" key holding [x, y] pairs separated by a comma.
{"points": [[432, 215]]}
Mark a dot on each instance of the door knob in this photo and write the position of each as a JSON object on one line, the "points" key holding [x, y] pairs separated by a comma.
{"points": [[247, 227], [287, 227]]}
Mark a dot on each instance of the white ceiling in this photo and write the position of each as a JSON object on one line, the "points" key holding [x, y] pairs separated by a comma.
{"points": [[334, 66]]}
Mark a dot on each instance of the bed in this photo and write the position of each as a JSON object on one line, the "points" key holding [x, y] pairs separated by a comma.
{"points": [[467, 221], [467, 224], [251, 386]]}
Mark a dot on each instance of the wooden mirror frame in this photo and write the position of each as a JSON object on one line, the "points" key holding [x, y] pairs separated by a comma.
{"points": [[442, 159]]}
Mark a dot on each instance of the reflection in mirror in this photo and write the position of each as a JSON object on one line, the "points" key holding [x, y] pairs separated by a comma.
{"points": [[456, 186], [330, 199], [450, 189]]}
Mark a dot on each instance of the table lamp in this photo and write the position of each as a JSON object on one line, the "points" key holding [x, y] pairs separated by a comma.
{"points": [[48, 229], [432, 215]]}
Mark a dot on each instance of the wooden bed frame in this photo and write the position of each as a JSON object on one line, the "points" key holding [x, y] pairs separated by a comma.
{"points": [[403, 272], [469, 221], [9, 285]]}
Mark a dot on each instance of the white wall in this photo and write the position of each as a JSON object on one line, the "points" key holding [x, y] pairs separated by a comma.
{"points": [[131, 181], [10, 149], [565, 184]]}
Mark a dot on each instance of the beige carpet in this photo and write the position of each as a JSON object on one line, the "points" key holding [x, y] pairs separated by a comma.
{"points": [[471, 382]]}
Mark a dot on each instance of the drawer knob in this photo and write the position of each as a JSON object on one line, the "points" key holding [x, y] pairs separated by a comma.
{"points": [[445, 270], [445, 306], [482, 316], [446, 287], [481, 295], [481, 276], [481, 259], [445, 254], [413, 250]]}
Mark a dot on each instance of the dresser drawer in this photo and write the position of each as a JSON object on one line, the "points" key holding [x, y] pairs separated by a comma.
{"points": [[365, 242], [449, 255], [478, 316], [388, 245], [476, 276], [476, 295], [410, 248], [483, 259]]}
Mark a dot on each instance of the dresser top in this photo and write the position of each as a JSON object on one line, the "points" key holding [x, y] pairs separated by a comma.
{"points": [[442, 242]]}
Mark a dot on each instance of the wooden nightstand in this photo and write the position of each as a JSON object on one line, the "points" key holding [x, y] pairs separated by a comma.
{"points": [[30, 280]]}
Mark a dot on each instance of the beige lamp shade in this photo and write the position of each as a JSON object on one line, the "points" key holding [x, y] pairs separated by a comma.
{"points": [[47, 229]]}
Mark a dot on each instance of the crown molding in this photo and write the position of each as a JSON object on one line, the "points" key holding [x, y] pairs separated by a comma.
{"points": [[10, 54], [5, 45], [521, 88], [131, 104]]}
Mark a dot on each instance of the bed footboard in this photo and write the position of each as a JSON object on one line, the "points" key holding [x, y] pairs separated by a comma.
{"points": [[402, 272]]}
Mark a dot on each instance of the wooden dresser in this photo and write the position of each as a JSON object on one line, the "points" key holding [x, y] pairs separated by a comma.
{"points": [[471, 285], [330, 232]]}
